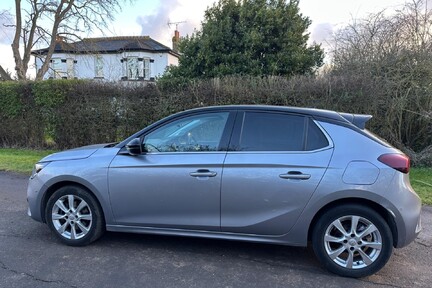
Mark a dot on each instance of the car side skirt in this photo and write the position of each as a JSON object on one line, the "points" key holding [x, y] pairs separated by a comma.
{"points": [[281, 240]]}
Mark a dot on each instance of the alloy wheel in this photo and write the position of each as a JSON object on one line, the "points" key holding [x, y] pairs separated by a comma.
{"points": [[71, 217], [353, 242]]}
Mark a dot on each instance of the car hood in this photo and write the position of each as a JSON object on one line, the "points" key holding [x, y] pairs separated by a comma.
{"points": [[73, 154]]}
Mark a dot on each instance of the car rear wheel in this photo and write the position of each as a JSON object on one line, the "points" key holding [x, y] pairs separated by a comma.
{"points": [[74, 216], [352, 241]]}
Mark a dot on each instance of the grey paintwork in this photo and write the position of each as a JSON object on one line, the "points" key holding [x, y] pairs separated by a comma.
{"points": [[247, 196], [255, 199], [158, 190], [88, 172], [73, 154], [360, 173]]}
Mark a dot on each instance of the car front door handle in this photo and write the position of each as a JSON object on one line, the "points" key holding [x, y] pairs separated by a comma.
{"points": [[295, 175], [203, 173]]}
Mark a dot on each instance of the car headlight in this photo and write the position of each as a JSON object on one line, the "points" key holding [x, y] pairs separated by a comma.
{"points": [[38, 167]]}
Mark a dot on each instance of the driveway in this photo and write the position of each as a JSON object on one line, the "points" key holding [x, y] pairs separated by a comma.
{"points": [[30, 256]]}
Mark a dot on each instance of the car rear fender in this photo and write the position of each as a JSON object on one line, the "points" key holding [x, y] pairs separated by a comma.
{"points": [[300, 233]]}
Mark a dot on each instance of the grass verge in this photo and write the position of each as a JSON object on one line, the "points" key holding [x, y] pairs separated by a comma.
{"points": [[421, 181], [22, 161]]}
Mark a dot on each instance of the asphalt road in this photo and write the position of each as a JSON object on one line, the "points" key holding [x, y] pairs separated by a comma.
{"points": [[30, 256]]}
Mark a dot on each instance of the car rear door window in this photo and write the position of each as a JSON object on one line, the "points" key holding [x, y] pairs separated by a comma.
{"points": [[272, 132]]}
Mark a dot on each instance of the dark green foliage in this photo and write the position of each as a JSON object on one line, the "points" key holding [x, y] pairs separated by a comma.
{"points": [[18, 117], [249, 37], [10, 104], [69, 113]]}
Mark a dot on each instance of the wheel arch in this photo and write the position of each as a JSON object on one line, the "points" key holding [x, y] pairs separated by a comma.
{"points": [[383, 212], [57, 185]]}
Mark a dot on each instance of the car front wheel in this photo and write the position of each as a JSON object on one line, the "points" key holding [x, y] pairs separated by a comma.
{"points": [[352, 241], [74, 216]]}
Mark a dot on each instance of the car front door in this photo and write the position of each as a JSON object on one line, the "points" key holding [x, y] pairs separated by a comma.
{"points": [[275, 163], [176, 182]]}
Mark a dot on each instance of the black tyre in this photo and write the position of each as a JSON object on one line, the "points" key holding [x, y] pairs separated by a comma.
{"points": [[352, 240], [75, 216]]}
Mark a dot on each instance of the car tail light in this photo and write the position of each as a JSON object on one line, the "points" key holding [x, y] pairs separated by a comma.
{"points": [[399, 162]]}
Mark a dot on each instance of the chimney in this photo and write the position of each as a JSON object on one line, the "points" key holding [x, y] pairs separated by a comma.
{"points": [[176, 40]]}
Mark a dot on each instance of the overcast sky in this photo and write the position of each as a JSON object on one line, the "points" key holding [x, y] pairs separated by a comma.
{"points": [[151, 17]]}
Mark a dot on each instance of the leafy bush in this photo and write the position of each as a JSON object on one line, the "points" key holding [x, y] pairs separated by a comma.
{"points": [[18, 117], [10, 104]]}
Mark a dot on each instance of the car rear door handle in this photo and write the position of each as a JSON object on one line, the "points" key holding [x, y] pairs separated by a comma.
{"points": [[203, 173], [295, 175]]}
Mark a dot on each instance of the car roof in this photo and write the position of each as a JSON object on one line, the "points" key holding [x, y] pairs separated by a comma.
{"points": [[319, 114], [297, 110]]}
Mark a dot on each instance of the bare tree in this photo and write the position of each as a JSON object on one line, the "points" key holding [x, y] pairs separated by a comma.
{"points": [[5, 17], [384, 36], [66, 18], [392, 52]]}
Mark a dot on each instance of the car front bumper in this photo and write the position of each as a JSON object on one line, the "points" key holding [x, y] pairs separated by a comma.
{"points": [[34, 198]]}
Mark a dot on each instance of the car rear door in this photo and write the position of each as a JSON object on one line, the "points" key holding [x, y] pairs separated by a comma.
{"points": [[275, 163]]}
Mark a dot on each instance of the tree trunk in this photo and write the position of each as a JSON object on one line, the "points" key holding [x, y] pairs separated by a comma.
{"points": [[58, 17], [21, 71]]}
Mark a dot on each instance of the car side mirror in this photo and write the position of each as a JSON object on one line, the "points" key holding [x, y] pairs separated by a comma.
{"points": [[134, 147]]}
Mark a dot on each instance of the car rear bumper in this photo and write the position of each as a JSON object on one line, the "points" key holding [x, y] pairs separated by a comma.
{"points": [[406, 210]]}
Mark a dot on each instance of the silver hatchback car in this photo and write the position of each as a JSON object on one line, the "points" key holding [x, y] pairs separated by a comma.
{"points": [[267, 174]]}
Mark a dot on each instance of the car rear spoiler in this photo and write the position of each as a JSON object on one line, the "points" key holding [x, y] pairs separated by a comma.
{"points": [[358, 120]]}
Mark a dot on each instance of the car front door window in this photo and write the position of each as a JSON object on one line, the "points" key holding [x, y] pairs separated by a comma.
{"points": [[198, 133]]}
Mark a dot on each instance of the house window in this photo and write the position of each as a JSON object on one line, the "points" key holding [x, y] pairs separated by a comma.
{"points": [[136, 68], [99, 66], [70, 65], [57, 68], [132, 68], [146, 69]]}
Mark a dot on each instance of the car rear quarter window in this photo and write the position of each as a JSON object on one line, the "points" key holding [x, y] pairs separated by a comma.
{"points": [[315, 137], [272, 132]]}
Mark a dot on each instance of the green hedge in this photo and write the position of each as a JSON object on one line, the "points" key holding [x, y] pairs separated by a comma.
{"points": [[19, 116], [60, 114]]}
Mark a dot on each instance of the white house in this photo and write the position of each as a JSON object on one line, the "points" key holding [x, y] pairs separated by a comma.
{"points": [[124, 58]]}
